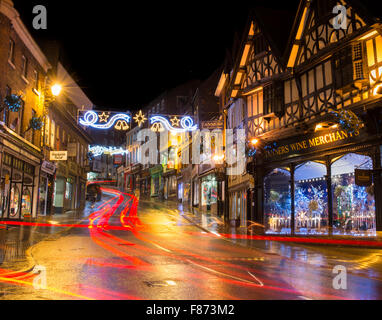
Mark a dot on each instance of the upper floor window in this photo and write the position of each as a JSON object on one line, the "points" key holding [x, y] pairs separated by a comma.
{"points": [[255, 104], [35, 81], [273, 97], [11, 53], [52, 133], [24, 71], [350, 68]]}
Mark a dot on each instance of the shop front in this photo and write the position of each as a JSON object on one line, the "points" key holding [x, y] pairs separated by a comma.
{"points": [[170, 184], [156, 181], [310, 185], [240, 203], [46, 188], [209, 193], [145, 184], [60, 193], [19, 182], [195, 186]]}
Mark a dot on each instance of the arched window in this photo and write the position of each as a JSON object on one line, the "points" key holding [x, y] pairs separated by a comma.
{"points": [[353, 206], [311, 199], [277, 201]]}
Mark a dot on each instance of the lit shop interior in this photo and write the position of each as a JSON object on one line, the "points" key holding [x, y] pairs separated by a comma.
{"points": [[353, 206]]}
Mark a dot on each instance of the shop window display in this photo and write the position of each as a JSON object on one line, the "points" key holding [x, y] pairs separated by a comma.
{"points": [[277, 201], [311, 199], [353, 206], [26, 202], [15, 200], [209, 191]]}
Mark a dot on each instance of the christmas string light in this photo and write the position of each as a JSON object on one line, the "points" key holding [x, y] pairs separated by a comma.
{"points": [[186, 123], [91, 118]]}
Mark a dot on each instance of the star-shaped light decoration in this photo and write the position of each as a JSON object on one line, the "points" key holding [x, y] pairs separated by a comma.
{"points": [[175, 122], [103, 117], [140, 118]]}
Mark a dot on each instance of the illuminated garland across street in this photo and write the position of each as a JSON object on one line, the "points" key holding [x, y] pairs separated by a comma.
{"points": [[92, 119], [100, 150], [186, 124]]}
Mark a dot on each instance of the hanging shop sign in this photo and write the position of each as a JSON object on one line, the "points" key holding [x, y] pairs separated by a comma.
{"points": [[105, 120], [213, 124], [58, 155], [118, 159], [363, 178], [48, 167], [72, 149], [310, 143]]}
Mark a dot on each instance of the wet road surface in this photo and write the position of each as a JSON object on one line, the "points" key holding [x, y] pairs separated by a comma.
{"points": [[126, 251]]}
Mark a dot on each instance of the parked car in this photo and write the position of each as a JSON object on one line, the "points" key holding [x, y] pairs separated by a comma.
{"points": [[93, 193]]}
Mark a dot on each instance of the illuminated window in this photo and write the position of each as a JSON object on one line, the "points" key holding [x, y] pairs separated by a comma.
{"points": [[353, 206], [52, 133], [11, 53], [24, 69], [311, 199], [277, 201]]}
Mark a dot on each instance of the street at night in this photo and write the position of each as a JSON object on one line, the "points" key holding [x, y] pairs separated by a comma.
{"points": [[192, 159], [160, 255]]}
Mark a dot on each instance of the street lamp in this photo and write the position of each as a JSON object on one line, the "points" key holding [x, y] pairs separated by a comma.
{"points": [[254, 141], [56, 89]]}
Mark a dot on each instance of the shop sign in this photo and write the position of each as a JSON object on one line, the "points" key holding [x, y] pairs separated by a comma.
{"points": [[213, 124], [363, 178], [315, 142], [48, 167], [118, 159], [72, 149], [58, 155]]}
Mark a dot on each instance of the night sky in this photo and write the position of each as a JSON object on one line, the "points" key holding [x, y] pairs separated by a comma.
{"points": [[125, 56]]}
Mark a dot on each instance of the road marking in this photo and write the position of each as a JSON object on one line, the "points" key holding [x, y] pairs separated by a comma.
{"points": [[305, 298], [221, 273], [261, 284]]}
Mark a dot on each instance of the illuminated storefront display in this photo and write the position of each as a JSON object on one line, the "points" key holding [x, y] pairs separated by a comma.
{"points": [[322, 189], [311, 199], [353, 206], [17, 188], [209, 188], [26, 203], [277, 201]]}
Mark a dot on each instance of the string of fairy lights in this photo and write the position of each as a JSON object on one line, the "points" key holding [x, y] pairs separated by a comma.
{"points": [[122, 121]]}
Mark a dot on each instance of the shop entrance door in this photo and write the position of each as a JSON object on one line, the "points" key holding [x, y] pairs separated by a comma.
{"points": [[15, 201]]}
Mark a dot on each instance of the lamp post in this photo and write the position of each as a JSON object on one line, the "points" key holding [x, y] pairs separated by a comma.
{"points": [[50, 95]]}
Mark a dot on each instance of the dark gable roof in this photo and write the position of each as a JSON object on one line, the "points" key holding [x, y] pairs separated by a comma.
{"points": [[276, 26], [370, 10]]}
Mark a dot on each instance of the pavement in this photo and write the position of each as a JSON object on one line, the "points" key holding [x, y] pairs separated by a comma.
{"points": [[250, 235], [17, 240], [158, 253]]}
